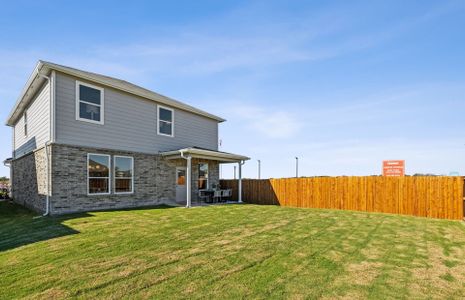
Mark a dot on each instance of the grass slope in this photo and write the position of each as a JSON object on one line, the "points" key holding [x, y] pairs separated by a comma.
{"points": [[230, 252]]}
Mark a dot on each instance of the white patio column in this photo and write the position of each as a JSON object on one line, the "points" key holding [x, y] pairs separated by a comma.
{"points": [[239, 196], [188, 179]]}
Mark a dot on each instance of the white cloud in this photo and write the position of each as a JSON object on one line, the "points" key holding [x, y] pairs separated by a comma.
{"points": [[199, 49], [271, 122], [276, 124]]}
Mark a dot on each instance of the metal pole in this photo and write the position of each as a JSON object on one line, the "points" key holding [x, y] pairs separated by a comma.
{"points": [[240, 183], [259, 163], [220, 143], [296, 167], [234, 172], [188, 175]]}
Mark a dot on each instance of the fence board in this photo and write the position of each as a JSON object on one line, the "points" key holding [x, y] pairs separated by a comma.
{"points": [[433, 197]]}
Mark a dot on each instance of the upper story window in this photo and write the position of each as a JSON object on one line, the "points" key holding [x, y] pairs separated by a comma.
{"points": [[89, 103], [25, 123], [165, 121]]}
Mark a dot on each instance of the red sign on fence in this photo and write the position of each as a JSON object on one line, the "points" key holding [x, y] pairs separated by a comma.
{"points": [[393, 167]]}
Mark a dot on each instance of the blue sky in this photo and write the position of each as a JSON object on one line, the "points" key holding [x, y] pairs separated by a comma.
{"points": [[341, 84]]}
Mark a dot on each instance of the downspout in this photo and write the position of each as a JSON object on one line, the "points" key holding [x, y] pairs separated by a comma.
{"points": [[11, 165], [188, 178], [47, 158], [7, 163]]}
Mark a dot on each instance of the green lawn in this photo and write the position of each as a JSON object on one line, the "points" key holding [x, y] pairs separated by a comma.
{"points": [[230, 252]]}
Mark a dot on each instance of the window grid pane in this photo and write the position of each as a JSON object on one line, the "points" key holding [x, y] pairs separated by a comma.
{"points": [[98, 186], [165, 128], [123, 185], [99, 166], [166, 115], [89, 94], [89, 111], [123, 167]]}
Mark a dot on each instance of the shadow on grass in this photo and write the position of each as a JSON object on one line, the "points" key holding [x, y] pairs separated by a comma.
{"points": [[20, 227], [135, 208]]}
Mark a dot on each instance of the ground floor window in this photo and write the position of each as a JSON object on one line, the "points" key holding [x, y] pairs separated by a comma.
{"points": [[124, 174], [98, 174], [203, 176]]}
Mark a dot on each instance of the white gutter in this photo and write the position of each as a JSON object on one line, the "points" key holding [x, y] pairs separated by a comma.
{"points": [[51, 132], [188, 178], [208, 154], [52, 107], [24, 91], [7, 163], [47, 197]]}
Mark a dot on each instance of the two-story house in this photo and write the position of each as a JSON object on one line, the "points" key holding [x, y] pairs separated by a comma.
{"points": [[84, 141]]}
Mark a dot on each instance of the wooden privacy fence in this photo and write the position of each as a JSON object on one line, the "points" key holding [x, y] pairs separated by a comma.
{"points": [[425, 196]]}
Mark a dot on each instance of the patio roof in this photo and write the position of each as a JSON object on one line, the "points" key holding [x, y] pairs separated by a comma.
{"points": [[196, 152]]}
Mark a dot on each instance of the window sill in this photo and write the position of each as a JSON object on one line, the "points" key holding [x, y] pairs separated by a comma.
{"points": [[98, 194], [168, 135], [90, 121]]}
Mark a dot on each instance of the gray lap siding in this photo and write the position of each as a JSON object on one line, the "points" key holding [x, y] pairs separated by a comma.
{"points": [[38, 124], [130, 123]]}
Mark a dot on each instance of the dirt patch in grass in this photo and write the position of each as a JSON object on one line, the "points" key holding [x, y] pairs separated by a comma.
{"points": [[222, 242], [274, 226], [373, 253], [52, 293], [363, 273], [352, 295], [443, 278]]}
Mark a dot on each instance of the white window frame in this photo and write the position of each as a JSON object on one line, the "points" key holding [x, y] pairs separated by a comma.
{"points": [[25, 125], [158, 121], [207, 186], [109, 174], [115, 178], [102, 103]]}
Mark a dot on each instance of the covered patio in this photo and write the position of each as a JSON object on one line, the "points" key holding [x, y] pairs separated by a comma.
{"points": [[200, 154]]}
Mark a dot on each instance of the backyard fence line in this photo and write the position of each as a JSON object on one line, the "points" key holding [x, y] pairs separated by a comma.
{"points": [[423, 196]]}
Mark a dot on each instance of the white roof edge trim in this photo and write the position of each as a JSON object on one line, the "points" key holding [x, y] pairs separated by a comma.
{"points": [[204, 152], [29, 82]]}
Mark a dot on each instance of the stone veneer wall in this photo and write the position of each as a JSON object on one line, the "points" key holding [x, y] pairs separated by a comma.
{"points": [[69, 181], [154, 180], [29, 180]]}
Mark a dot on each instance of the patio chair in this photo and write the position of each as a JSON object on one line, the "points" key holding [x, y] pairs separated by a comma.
{"points": [[217, 195], [226, 194], [205, 195]]}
